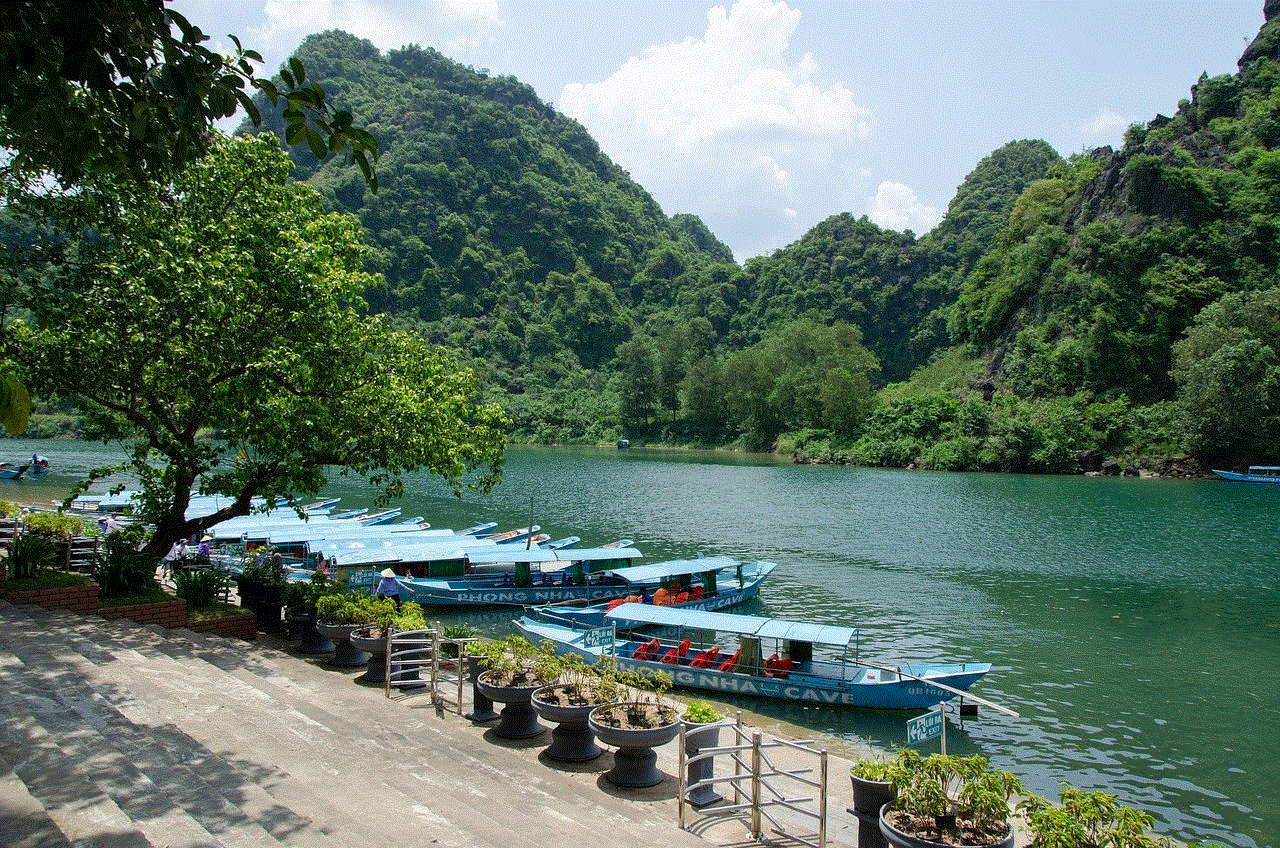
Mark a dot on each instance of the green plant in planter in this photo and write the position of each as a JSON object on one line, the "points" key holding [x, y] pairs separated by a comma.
{"points": [[300, 598], [456, 631], [874, 769], [29, 555], [123, 569], [1088, 820], [641, 705], [58, 526], [348, 607], [701, 712], [10, 510], [515, 662], [952, 797], [200, 587], [268, 572]]}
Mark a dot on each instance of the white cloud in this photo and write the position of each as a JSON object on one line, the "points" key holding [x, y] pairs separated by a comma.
{"points": [[1105, 123], [275, 28], [723, 123], [896, 207]]}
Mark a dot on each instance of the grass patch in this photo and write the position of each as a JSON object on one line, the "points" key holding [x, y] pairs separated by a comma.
{"points": [[46, 580], [143, 597], [218, 610]]}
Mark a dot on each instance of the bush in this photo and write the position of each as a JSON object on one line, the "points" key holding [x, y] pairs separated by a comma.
{"points": [[29, 555], [58, 525], [123, 569], [200, 587]]}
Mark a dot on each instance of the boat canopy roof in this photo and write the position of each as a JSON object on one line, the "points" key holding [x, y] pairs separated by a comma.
{"points": [[505, 553], [743, 625], [673, 568]]}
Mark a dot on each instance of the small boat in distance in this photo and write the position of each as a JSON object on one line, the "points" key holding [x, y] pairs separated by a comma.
{"points": [[1256, 474], [833, 675], [9, 471]]}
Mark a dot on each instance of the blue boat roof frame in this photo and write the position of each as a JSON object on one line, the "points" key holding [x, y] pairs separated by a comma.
{"points": [[501, 554], [742, 625]]}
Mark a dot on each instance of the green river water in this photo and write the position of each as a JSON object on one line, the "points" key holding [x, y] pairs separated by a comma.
{"points": [[1134, 624]]}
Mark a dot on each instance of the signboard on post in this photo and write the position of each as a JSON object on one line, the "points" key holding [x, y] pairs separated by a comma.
{"points": [[598, 637], [925, 727]]}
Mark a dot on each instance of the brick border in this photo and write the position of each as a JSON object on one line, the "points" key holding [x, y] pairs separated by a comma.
{"points": [[83, 599], [165, 613]]}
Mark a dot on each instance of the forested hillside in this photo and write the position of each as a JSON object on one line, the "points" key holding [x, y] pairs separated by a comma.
{"points": [[1111, 302]]}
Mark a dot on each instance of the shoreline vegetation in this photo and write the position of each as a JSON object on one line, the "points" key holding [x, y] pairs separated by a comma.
{"points": [[795, 448]]}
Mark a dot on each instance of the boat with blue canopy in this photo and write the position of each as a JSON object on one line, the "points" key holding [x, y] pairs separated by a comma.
{"points": [[501, 577], [1256, 474], [562, 589], [769, 658], [722, 582]]}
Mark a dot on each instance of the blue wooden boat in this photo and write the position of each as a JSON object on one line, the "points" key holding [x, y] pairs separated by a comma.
{"points": [[374, 519], [773, 658], [561, 544], [9, 471], [483, 529], [1256, 474], [723, 582], [502, 577]]}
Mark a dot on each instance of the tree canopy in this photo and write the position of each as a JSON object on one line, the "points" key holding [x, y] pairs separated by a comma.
{"points": [[229, 305], [105, 87]]}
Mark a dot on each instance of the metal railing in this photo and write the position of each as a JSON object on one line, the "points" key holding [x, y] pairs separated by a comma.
{"points": [[760, 786], [410, 652]]}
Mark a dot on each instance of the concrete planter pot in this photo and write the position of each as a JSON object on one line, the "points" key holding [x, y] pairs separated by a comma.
{"points": [[897, 839], [311, 640], [635, 762], [345, 654], [376, 648], [706, 736], [572, 738], [518, 719]]}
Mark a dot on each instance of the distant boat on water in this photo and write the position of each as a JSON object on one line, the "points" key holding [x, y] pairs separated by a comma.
{"points": [[1256, 474]]}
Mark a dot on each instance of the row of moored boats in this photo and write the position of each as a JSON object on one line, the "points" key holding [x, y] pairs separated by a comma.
{"points": [[590, 601]]}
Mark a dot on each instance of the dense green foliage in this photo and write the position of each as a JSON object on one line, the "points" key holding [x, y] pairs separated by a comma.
{"points": [[1120, 301], [1062, 288], [228, 303]]}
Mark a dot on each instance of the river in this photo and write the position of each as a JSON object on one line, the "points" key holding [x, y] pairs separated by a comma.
{"points": [[1133, 624]]}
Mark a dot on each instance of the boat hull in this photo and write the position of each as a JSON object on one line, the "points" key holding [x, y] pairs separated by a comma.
{"points": [[1236, 477], [594, 616], [866, 688]]}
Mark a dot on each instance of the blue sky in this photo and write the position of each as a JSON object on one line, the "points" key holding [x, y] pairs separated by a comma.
{"points": [[764, 117]]}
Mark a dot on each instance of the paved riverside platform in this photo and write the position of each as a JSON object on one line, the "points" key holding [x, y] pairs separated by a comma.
{"points": [[118, 734]]}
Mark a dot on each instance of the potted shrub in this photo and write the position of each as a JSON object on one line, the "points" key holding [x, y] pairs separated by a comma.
{"points": [[700, 720], [261, 586], [635, 725], [300, 611], [578, 689], [372, 637], [513, 670], [1088, 820], [339, 615], [948, 800]]}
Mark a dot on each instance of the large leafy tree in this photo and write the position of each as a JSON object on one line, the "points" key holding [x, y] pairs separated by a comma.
{"points": [[127, 87], [215, 329], [104, 87], [1228, 374]]}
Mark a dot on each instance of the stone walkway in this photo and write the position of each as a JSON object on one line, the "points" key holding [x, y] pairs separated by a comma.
{"points": [[115, 734]]}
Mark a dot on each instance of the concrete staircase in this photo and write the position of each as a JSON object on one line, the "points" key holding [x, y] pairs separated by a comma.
{"points": [[116, 734]]}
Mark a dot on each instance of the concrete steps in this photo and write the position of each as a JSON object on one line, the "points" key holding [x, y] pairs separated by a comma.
{"points": [[112, 733]]}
